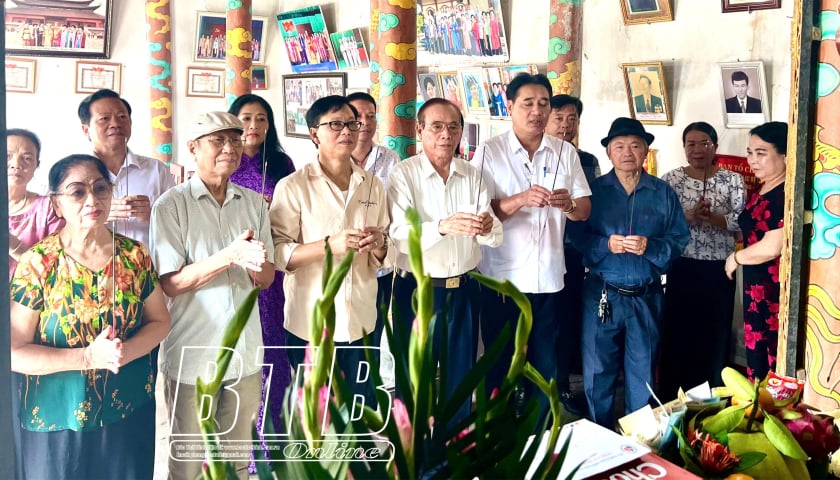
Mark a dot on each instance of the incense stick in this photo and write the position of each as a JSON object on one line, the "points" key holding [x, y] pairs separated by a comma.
{"points": [[262, 195], [480, 179]]}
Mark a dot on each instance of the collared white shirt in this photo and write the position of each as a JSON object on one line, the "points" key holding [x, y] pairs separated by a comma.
{"points": [[532, 254], [308, 206], [414, 183], [140, 175], [188, 226], [379, 162]]}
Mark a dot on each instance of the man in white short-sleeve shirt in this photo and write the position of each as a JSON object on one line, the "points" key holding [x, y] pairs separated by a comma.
{"points": [[536, 183], [208, 241]]}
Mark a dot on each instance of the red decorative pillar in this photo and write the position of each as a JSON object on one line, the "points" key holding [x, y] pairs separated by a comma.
{"points": [[564, 46], [159, 36], [238, 50], [397, 66]]}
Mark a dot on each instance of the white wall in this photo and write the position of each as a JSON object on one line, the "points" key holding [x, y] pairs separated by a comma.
{"points": [[690, 48]]}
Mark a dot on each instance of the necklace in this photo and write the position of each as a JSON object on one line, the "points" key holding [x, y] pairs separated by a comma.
{"points": [[21, 207]]}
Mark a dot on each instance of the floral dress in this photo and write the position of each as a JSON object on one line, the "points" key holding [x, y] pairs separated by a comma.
{"points": [[75, 305], [762, 214]]}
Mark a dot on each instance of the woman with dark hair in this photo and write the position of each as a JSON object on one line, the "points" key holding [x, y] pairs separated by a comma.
{"points": [[31, 216], [264, 163], [762, 222], [699, 299], [86, 315]]}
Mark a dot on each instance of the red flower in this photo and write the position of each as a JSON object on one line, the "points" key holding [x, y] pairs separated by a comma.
{"points": [[756, 292], [714, 457], [773, 323], [774, 272], [751, 337]]}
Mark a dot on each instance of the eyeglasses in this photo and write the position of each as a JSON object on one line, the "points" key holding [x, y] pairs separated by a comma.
{"points": [[704, 145], [437, 127], [219, 142], [337, 125], [77, 191]]}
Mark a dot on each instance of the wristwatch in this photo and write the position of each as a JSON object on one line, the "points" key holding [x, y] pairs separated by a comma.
{"points": [[574, 207]]}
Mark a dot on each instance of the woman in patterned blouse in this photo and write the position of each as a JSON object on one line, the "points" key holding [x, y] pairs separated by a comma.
{"points": [[87, 314], [699, 298]]}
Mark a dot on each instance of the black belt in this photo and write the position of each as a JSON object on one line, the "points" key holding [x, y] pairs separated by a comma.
{"points": [[457, 281], [635, 291]]}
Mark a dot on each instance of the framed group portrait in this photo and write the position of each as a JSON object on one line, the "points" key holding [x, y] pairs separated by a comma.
{"points": [[301, 91], [728, 6], [59, 32], [647, 96], [307, 40], [463, 32], [646, 11], [211, 37], [744, 94], [349, 49]]}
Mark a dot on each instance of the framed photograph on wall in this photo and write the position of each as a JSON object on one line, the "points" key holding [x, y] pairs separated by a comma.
{"points": [[20, 75], [474, 84], [59, 32], [646, 11], [259, 78], [728, 6], [429, 86], [646, 93], [458, 32], [301, 91], [349, 48], [307, 40], [205, 82], [744, 94], [93, 76], [211, 37], [450, 86]]}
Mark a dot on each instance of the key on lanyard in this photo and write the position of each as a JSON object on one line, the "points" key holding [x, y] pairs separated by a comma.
{"points": [[604, 307]]}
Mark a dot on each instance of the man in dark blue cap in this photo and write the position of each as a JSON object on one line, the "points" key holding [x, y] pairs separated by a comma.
{"points": [[636, 229]]}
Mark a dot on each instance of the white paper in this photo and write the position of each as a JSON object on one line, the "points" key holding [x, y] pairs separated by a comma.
{"points": [[593, 446]]}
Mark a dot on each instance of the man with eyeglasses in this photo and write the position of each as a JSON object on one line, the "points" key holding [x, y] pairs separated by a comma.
{"points": [[331, 201], [138, 181], [536, 184], [457, 219], [208, 241]]}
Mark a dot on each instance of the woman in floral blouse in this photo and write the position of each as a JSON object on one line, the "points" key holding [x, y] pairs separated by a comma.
{"points": [[762, 222], [699, 299], [85, 347]]}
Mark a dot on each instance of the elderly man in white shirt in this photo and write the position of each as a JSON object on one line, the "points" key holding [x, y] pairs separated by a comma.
{"points": [[536, 184], [138, 181], [209, 240], [457, 219]]}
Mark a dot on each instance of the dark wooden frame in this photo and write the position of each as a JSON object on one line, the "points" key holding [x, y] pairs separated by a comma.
{"points": [[35, 51], [726, 6]]}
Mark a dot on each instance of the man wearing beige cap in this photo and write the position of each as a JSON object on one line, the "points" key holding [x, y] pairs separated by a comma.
{"points": [[208, 240]]}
